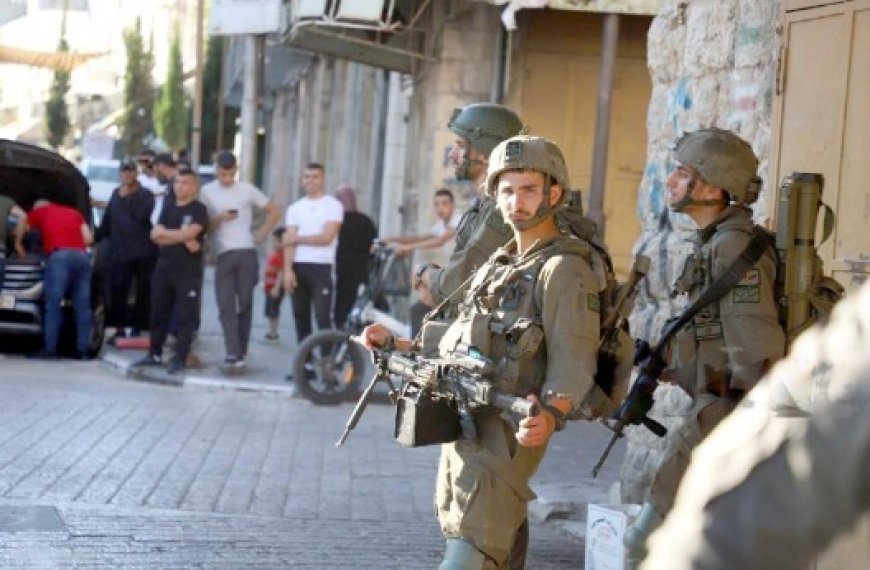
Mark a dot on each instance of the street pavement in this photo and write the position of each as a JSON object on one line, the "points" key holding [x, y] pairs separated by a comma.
{"points": [[97, 470]]}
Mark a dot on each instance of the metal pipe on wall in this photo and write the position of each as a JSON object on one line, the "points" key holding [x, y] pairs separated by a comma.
{"points": [[597, 184]]}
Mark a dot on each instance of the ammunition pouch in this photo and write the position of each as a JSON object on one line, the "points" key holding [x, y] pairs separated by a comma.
{"points": [[425, 419], [431, 334]]}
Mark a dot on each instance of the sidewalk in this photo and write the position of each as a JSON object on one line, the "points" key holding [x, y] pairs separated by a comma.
{"points": [[563, 483], [268, 363]]}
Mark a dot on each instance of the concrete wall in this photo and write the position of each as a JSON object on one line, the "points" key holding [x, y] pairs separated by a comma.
{"points": [[463, 72], [712, 63], [330, 116]]}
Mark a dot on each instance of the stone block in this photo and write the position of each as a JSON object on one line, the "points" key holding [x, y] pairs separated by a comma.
{"points": [[711, 27]]}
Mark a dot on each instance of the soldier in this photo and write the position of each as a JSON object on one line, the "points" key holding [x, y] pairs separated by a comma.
{"points": [[731, 343], [478, 127], [772, 492], [533, 310]]}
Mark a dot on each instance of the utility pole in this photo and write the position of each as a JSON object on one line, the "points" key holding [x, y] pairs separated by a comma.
{"points": [[254, 45], [196, 128], [609, 46]]}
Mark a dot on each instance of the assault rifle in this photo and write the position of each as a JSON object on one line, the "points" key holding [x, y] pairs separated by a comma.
{"points": [[639, 401], [461, 379]]}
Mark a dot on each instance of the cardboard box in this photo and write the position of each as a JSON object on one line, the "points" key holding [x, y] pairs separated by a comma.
{"points": [[605, 527]]}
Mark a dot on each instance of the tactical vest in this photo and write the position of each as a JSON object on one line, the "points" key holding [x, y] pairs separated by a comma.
{"points": [[701, 360], [501, 316]]}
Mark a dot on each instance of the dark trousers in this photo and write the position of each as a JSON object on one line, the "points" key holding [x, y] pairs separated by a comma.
{"points": [[123, 275], [418, 312], [236, 275], [176, 296], [313, 287], [347, 282]]}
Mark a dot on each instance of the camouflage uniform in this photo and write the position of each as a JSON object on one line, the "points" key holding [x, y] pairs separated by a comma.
{"points": [[536, 316], [727, 347], [772, 492], [480, 232]]}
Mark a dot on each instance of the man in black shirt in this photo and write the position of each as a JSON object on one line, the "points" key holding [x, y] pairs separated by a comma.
{"points": [[131, 253], [355, 239], [177, 281]]}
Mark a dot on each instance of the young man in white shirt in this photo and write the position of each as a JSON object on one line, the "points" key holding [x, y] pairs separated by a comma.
{"points": [[441, 237], [230, 205], [310, 242]]}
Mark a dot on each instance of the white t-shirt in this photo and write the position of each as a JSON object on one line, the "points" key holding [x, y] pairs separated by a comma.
{"points": [[442, 254], [241, 196], [310, 218], [159, 190]]}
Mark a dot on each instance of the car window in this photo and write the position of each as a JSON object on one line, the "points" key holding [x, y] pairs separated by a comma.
{"points": [[106, 173]]}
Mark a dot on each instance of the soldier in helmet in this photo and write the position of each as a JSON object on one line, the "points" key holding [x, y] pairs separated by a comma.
{"points": [[478, 127], [767, 491], [533, 309], [731, 343]]}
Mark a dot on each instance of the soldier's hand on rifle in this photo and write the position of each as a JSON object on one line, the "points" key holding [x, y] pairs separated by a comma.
{"points": [[374, 336], [536, 430]]}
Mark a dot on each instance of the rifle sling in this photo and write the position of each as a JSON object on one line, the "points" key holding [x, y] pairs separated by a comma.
{"points": [[758, 243]]}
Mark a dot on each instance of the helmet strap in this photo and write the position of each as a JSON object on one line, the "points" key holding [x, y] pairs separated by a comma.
{"points": [[687, 200], [463, 170]]}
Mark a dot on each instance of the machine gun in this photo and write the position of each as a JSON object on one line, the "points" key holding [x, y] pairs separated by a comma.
{"points": [[459, 382]]}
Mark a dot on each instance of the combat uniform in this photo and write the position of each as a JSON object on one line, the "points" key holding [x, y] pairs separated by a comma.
{"points": [[771, 492], [536, 316], [480, 232], [727, 347]]}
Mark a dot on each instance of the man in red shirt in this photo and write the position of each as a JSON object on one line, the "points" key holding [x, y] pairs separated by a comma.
{"points": [[65, 237]]}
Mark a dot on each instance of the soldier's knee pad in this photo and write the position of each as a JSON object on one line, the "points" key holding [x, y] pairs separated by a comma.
{"points": [[461, 555], [636, 535]]}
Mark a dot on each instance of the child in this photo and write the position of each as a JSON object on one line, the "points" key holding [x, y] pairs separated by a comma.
{"points": [[272, 280]]}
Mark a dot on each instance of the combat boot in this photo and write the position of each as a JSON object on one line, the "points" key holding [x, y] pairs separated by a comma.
{"points": [[461, 555], [636, 536]]}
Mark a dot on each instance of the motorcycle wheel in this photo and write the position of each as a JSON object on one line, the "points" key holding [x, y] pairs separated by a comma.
{"points": [[328, 367]]}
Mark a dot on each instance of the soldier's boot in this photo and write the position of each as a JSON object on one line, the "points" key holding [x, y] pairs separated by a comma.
{"points": [[636, 536], [461, 555]]}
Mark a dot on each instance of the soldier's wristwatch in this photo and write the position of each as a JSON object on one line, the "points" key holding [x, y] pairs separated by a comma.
{"points": [[558, 415]]}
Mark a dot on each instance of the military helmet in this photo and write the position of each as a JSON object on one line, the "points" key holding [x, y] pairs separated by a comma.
{"points": [[525, 152], [723, 160], [484, 125]]}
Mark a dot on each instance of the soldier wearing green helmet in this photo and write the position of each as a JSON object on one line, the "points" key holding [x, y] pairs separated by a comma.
{"points": [[730, 343], [533, 310], [478, 128]]}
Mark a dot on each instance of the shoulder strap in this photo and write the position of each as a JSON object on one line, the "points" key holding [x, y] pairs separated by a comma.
{"points": [[758, 243]]}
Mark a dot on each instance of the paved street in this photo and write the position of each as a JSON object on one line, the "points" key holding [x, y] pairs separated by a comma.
{"points": [[97, 470], [149, 475]]}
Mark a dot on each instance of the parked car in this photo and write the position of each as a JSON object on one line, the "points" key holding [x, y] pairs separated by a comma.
{"points": [[206, 173], [28, 173], [103, 177]]}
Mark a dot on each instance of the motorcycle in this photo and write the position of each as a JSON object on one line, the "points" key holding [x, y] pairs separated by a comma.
{"points": [[328, 365]]}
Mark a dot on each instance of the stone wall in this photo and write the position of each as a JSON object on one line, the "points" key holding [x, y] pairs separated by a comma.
{"points": [[712, 63]]}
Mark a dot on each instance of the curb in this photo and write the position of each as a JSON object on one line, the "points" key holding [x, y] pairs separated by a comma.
{"points": [[124, 368]]}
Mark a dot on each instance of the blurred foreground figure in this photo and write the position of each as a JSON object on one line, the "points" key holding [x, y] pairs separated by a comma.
{"points": [[773, 492]]}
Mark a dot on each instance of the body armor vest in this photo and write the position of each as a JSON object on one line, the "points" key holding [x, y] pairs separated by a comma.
{"points": [[501, 316]]}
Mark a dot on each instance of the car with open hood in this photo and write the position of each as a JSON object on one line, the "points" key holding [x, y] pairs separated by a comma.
{"points": [[29, 173]]}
